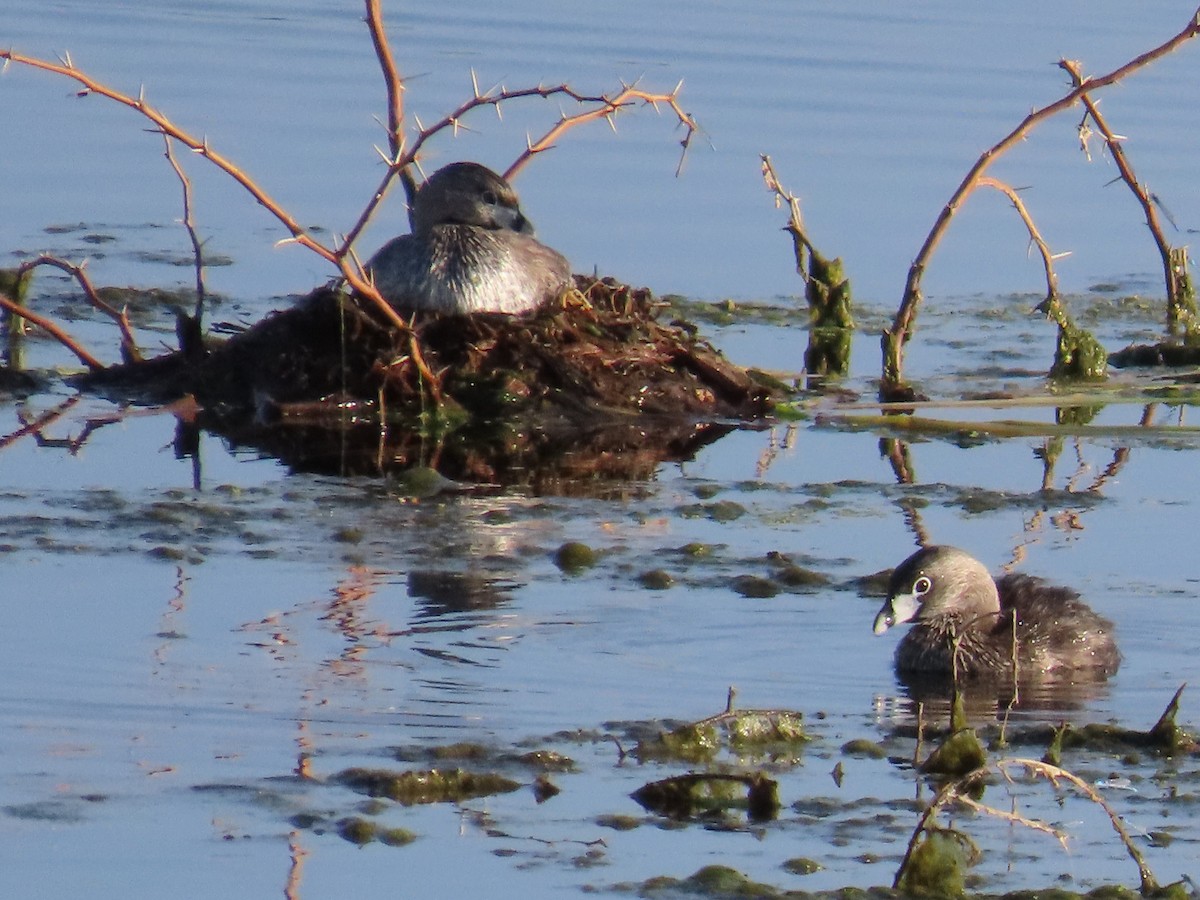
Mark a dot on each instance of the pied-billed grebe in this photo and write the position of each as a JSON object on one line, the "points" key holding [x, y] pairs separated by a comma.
{"points": [[947, 594], [471, 250]]}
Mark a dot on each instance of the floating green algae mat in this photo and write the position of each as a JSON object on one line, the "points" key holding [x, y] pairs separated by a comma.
{"points": [[428, 786]]}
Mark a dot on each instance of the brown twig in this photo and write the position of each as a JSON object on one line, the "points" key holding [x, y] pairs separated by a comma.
{"points": [[189, 224], [400, 163], [1149, 883], [609, 107], [959, 790], [795, 226], [1180, 308], [895, 337], [164, 125], [1015, 818], [54, 331], [1034, 235], [391, 78], [351, 272], [129, 348]]}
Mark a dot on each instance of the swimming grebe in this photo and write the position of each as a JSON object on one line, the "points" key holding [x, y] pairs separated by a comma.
{"points": [[947, 594]]}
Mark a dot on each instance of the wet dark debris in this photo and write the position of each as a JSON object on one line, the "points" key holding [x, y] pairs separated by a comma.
{"points": [[593, 385]]}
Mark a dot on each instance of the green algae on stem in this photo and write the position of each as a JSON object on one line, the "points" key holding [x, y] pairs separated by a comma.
{"points": [[826, 288], [937, 865]]}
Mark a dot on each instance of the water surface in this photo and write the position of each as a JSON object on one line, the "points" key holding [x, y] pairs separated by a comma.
{"points": [[181, 634]]}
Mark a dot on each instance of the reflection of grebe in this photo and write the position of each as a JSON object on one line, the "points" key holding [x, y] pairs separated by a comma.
{"points": [[471, 250], [949, 596]]}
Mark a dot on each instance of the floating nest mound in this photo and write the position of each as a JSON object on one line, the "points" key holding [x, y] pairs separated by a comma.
{"points": [[594, 377], [1170, 354]]}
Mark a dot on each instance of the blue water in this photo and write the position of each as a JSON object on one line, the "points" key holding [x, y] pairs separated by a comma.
{"points": [[178, 637], [872, 116]]}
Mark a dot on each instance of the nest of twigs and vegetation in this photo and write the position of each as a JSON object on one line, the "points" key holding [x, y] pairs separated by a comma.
{"points": [[328, 381]]}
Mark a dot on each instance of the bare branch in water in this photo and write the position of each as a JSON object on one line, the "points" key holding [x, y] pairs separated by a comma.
{"points": [[54, 331], [189, 224], [129, 348], [903, 324], [1149, 884], [795, 226], [1181, 296], [1034, 235]]}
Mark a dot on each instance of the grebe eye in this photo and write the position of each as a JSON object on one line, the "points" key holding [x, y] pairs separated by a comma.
{"points": [[490, 198], [921, 586]]}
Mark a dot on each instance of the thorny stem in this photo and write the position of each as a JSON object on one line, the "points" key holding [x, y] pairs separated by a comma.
{"points": [[352, 273], [1149, 883], [190, 225], [606, 107], [1052, 306], [129, 348], [1034, 235], [164, 125], [1178, 312], [54, 331], [391, 78], [795, 226], [901, 330]]}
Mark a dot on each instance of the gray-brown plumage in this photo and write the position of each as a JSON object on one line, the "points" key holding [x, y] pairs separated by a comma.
{"points": [[471, 250], [948, 594]]}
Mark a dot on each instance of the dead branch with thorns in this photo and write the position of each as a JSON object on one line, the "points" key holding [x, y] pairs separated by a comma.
{"points": [[1181, 293], [892, 385], [402, 158]]}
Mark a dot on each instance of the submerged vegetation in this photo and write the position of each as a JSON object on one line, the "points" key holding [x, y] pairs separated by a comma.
{"points": [[738, 762]]}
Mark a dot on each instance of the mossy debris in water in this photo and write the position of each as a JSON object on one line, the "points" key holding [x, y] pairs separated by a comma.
{"points": [[742, 731], [599, 349], [1079, 356], [429, 786], [938, 864], [956, 756], [703, 794], [574, 557], [711, 881], [688, 743], [590, 386], [358, 830], [962, 751], [1165, 738]]}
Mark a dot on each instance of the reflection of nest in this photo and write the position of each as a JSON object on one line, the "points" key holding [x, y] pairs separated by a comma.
{"points": [[592, 385]]}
